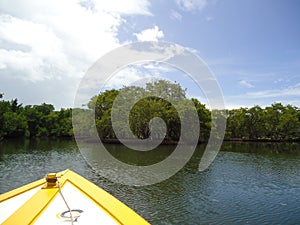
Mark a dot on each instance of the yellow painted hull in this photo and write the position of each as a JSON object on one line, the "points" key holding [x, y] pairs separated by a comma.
{"points": [[64, 198]]}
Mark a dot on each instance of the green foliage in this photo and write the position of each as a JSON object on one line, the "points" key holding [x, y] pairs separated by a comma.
{"points": [[149, 108], [14, 124], [166, 90], [83, 118], [275, 122], [102, 106], [162, 99], [159, 99], [204, 119], [33, 121]]}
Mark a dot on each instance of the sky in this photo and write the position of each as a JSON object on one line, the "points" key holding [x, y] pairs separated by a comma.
{"points": [[252, 47]]}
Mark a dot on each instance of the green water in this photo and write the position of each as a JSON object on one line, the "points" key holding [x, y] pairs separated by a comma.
{"points": [[248, 183]]}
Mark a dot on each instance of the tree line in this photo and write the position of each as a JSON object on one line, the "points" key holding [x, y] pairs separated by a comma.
{"points": [[160, 99], [275, 122], [30, 121]]}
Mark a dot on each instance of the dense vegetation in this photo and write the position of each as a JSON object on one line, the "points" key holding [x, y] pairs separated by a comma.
{"points": [[275, 122], [154, 101], [33, 121]]}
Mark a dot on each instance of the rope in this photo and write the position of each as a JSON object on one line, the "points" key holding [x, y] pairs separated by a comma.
{"points": [[70, 211]]}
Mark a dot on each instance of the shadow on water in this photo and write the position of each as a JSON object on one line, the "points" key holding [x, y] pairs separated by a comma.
{"points": [[262, 147], [140, 158], [18, 146]]}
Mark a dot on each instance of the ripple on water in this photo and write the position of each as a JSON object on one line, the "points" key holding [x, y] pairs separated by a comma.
{"points": [[238, 188]]}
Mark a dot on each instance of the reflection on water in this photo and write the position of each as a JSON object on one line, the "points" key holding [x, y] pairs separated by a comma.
{"points": [[248, 183], [141, 158], [270, 148], [23, 161]]}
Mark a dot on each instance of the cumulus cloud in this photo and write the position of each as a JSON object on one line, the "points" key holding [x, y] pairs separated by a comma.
{"points": [[191, 5], [56, 33], [54, 40], [31, 50], [151, 34], [128, 7]]}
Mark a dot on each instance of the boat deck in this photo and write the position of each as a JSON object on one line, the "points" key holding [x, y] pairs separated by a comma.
{"points": [[64, 197]]}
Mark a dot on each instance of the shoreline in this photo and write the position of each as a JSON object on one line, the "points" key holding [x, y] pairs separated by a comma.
{"points": [[164, 142], [170, 142], [259, 140]]}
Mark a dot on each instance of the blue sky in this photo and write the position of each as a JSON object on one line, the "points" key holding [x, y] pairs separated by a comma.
{"points": [[251, 46]]}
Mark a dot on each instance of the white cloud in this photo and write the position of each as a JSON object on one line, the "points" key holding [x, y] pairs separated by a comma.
{"points": [[193, 50], [191, 5], [2, 65], [285, 92], [128, 7], [53, 40], [66, 39], [125, 77], [174, 15], [158, 68], [44, 57], [246, 84], [151, 34], [288, 95], [138, 74]]}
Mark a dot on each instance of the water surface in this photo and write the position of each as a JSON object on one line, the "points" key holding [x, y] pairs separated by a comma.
{"points": [[248, 183]]}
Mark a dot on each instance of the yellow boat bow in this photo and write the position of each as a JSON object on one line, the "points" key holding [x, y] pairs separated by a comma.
{"points": [[64, 198]]}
